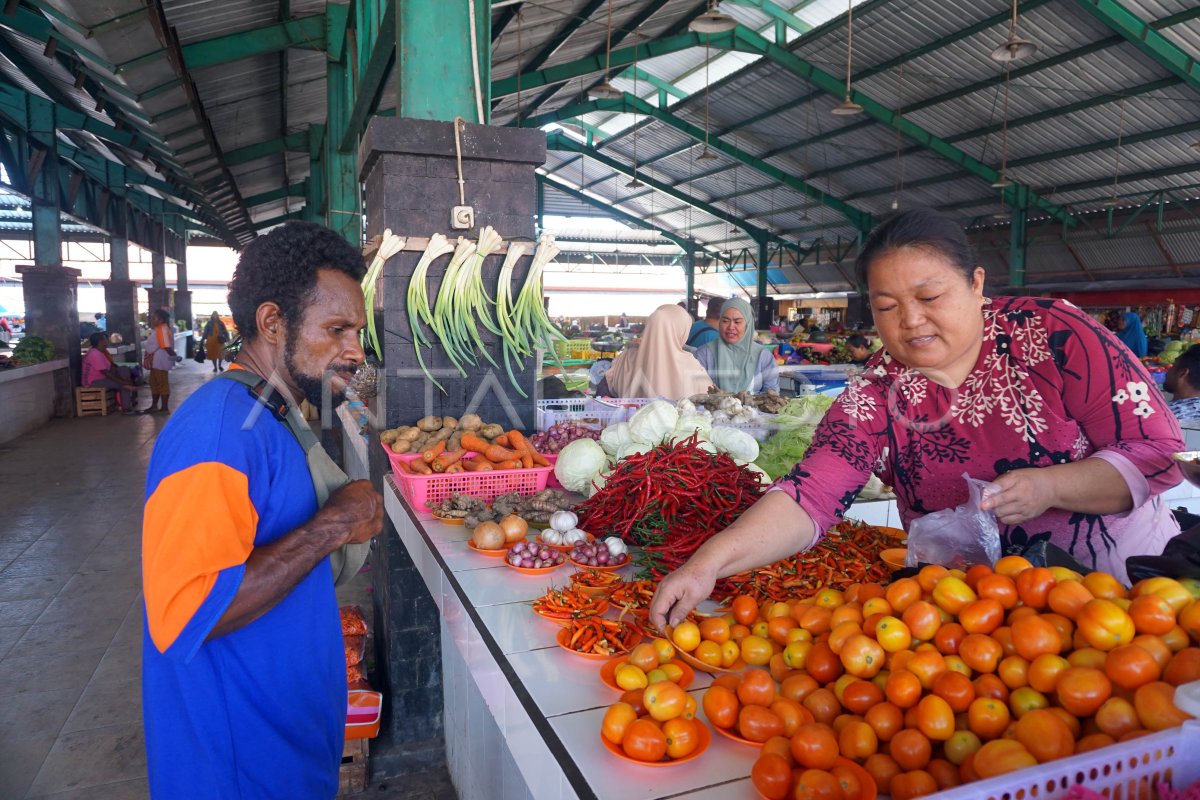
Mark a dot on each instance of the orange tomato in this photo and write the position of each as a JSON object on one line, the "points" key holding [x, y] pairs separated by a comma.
{"points": [[1093, 741], [756, 688], [975, 574], [1000, 588], [1011, 565], [935, 718], [1045, 670], [1117, 717], [876, 605], [1003, 635], [815, 746], [862, 656], [816, 620], [860, 696], [848, 781], [759, 724], [665, 700], [1068, 597], [926, 665], [1189, 620], [892, 634], [857, 740], [911, 749], [916, 783], [981, 616], [816, 784], [1044, 735], [1105, 624], [644, 741], [729, 680], [922, 619], [903, 593], [756, 650], [1168, 589], [720, 706], [683, 735], [780, 746], [1065, 628], [956, 689], [883, 769], [839, 635], [791, 713], [1105, 586], [953, 595], [1071, 720], [716, 629], [1087, 657], [797, 687], [1014, 671], [981, 653], [1026, 699], [929, 575], [949, 638], [1175, 639], [1082, 690], [823, 664], [1034, 636], [1156, 709], [990, 686], [1034, 585], [1183, 667], [708, 652], [988, 717], [795, 655], [850, 612], [634, 698], [617, 720], [903, 688], [1001, 756], [772, 776], [823, 705], [1129, 666], [778, 628], [745, 610], [1152, 614], [885, 719]]}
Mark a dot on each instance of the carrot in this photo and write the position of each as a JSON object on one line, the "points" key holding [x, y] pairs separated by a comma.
{"points": [[523, 447], [502, 440], [498, 453], [539, 459], [404, 467], [447, 459], [433, 452], [419, 467], [471, 441], [474, 465], [454, 469], [510, 464]]}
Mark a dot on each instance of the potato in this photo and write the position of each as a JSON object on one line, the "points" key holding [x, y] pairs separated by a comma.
{"points": [[389, 436], [429, 424], [407, 433], [400, 447], [443, 434], [455, 442], [470, 422], [491, 431], [449, 423]]}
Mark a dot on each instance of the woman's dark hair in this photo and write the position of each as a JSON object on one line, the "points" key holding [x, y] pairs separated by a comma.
{"points": [[1190, 360], [281, 268], [160, 314], [857, 340], [921, 228], [97, 337]]}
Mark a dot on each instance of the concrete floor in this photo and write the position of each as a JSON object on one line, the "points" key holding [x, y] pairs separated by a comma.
{"points": [[71, 610]]}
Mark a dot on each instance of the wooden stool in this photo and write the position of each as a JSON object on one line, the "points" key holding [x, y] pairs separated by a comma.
{"points": [[92, 400]]}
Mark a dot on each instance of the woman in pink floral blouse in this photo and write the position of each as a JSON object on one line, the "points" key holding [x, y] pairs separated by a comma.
{"points": [[1029, 393]]}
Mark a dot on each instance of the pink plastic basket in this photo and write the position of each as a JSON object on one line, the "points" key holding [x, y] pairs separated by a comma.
{"points": [[422, 491]]}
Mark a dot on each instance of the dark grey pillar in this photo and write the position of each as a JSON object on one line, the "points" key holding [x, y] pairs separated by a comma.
{"points": [[410, 178], [51, 312], [120, 311]]}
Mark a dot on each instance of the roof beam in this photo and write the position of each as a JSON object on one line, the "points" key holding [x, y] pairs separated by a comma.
{"points": [[777, 13], [610, 209], [267, 223], [304, 32], [573, 23], [293, 143], [295, 190], [370, 81], [562, 143], [639, 74], [1144, 37], [835, 87], [506, 17]]}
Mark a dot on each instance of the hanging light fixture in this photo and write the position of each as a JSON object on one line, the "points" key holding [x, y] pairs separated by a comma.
{"points": [[848, 107], [635, 183], [1113, 201], [1003, 182], [899, 186], [1015, 48], [605, 90], [712, 21], [706, 154]]}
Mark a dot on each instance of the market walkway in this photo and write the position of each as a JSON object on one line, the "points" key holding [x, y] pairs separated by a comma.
{"points": [[71, 609]]}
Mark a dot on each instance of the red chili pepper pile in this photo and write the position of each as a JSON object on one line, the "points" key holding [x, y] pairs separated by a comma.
{"points": [[670, 500]]}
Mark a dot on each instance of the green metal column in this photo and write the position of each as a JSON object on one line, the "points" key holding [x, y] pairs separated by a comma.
{"points": [[314, 202], [47, 234], [118, 244], [343, 214], [689, 269], [158, 268], [436, 76], [541, 207], [1018, 242], [764, 302]]}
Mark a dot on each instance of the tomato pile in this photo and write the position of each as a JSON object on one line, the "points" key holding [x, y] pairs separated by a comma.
{"points": [[647, 664], [657, 723]]}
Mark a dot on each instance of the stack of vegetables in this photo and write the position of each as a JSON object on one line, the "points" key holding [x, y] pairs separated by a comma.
{"points": [[561, 434]]}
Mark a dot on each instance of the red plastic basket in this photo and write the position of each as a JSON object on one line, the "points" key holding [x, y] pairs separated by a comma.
{"points": [[422, 491]]}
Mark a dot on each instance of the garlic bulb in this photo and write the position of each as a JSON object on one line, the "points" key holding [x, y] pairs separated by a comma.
{"points": [[574, 535], [616, 547], [551, 536], [563, 521]]}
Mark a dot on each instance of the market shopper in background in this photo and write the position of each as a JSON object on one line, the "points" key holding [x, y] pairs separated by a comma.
{"points": [[859, 347], [215, 337], [1131, 332], [734, 361], [244, 675], [705, 330], [1183, 382], [158, 354], [657, 366], [1031, 394], [100, 370]]}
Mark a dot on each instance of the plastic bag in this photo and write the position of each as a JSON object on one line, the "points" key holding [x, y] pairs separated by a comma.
{"points": [[956, 537]]}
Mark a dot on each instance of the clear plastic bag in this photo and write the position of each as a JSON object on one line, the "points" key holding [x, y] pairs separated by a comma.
{"points": [[956, 537]]}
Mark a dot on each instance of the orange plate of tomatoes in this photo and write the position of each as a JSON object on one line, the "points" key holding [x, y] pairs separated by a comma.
{"points": [[691, 660], [608, 673], [867, 789], [702, 734], [489, 553], [732, 734]]}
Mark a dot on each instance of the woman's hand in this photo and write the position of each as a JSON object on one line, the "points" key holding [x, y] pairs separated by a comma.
{"points": [[1024, 494], [680, 592]]}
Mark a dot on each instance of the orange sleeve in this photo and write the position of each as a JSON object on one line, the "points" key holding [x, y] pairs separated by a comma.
{"points": [[198, 522]]}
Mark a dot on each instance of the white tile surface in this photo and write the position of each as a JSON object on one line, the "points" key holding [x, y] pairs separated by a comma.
{"points": [[874, 512], [510, 625], [733, 790], [529, 751], [499, 585], [615, 778]]}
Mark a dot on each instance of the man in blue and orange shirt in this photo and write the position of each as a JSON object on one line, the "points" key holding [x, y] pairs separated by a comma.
{"points": [[243, 676]]}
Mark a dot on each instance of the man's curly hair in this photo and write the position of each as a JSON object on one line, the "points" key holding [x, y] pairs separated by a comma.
{"points": [[281, 268]]}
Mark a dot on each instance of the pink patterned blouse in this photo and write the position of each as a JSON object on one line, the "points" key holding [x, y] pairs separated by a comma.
{"points": [[1051, 386]]}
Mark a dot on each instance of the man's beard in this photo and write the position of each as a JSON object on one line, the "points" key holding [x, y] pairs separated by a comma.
{"points": [[313, 386]]}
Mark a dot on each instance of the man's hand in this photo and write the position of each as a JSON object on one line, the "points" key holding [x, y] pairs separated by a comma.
{"points": [[357, 508], [1024, 494], [679, 593]]}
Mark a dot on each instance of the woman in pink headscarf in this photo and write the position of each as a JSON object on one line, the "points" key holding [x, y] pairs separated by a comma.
{"points": [[658, 366]]}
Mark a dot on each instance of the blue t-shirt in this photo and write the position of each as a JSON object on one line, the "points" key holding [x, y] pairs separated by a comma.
{"points": [[1187, 410], [259, 712], [701, 334]]}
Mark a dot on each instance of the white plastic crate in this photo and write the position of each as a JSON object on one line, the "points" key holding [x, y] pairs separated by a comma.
{"points": [[1123, 771], [598, 413]]}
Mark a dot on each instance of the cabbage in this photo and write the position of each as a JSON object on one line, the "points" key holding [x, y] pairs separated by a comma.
{"points": [[784, 450], [632, 449], [653, 422], [808, 409], [738, 444], [614, 437], [579, 463], [596, 485], [689, 424], [763, 477]]}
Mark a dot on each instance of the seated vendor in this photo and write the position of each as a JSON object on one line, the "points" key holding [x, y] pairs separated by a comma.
{"points": [[657, 366], [1183, 382], [1028, 393], [100, 370], [859, 347], [734, 361]]}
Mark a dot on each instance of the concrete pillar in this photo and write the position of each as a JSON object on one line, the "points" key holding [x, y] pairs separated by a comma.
{"points": [[120, 293], [183, 295], [47, 233], [162, 298], [410, 184], [51, 312]]}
